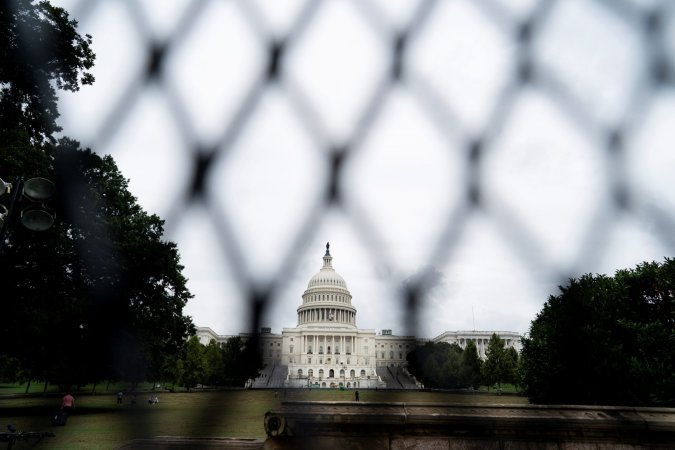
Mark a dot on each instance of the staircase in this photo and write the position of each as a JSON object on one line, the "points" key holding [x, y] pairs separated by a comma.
{"points": [[271, 377]]}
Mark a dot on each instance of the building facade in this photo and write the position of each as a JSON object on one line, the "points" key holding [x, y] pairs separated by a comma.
{"points": [[326, 349]]}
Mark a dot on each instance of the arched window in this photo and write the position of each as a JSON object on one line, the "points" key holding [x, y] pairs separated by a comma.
{"points": [[331, 373], [342, 372], [363, 373], [391, 355], [320, 373], [310, 373], [352, 373], [299, 372]]}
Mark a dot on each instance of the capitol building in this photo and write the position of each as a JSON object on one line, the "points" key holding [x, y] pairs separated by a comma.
{"points": [[327, 350]]}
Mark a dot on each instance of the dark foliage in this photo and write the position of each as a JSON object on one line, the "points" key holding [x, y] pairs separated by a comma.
{"points": [[40, 51], [605, 340]]}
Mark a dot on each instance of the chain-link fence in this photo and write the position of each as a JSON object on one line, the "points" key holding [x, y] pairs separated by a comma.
{"points": [[510, 93], [500, 96]]}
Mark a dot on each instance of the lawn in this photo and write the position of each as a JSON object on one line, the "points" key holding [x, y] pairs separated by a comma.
{"points": [[98, 423]]}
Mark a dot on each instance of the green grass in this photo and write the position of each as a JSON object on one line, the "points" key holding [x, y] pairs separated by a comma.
{"points": [[98, 423]]}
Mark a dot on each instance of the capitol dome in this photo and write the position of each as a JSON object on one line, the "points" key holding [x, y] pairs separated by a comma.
{"points": [[327, 299], [327, 276]]}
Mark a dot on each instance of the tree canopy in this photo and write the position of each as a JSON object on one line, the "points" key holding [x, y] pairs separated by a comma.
{"points": [[40, 51], [605, 340], [100, 295], [440, 365]]}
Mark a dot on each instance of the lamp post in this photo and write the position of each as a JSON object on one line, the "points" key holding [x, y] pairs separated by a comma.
{"points": [[35, 215]]}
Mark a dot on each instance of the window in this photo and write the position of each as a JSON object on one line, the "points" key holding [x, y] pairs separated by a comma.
{"points": [[299, 372], [309, 360], [391, 354], [363, 373], [320, 373], [310, 373], [290, 349], [382, 355]]}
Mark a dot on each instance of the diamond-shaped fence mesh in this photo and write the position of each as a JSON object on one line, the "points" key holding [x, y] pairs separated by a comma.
{"points": [[500, 96]]}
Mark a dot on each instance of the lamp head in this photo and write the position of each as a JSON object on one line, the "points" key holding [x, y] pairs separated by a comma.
{"points": [[38, 189], [37, 217]]}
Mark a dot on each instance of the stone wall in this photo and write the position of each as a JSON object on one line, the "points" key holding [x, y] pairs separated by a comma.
{"points": [[361, 425]]}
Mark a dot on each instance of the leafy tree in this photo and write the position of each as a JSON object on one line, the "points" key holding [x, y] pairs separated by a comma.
{"points": [[215, 365], [242, 360], [99, 295], [194, 365], [495, 367], [511, 366], [102, 280], [40, 51], [471, 366], [438, 365], [605, 340]]}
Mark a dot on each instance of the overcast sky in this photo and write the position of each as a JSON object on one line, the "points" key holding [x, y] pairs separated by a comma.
{"points": [[545, 172]]}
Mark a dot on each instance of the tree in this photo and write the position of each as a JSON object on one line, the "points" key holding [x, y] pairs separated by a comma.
{"points": [[605, 340], [40, 50], [471, 366], [102, 280], [99, 295], [242, 360], [511, 366], [438, 365], [495, 365], [194, 365], [215, 365]]}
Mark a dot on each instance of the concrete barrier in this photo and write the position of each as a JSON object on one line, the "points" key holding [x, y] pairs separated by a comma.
{"points": [[398, 426]]}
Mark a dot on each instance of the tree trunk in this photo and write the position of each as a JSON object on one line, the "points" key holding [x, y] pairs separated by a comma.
{"points": [[46, 384], [93, 389], [27, 386]]}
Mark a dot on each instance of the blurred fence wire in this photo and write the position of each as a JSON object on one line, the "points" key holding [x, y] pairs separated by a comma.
{"points": [[563, 79], [559, 77]]}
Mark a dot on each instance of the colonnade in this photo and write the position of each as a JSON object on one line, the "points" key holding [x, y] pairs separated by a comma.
{"points": [[337, 315], [328, 344]]}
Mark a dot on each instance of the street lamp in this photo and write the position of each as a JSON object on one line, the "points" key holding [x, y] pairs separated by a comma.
{"points": [[35, 215]]}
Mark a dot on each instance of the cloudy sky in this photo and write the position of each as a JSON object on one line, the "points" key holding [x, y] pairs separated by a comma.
{"points": [[546, 179]]}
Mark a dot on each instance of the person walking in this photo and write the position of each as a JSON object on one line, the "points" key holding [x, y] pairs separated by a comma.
{"points": [[356, 396], [120, 395]]}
